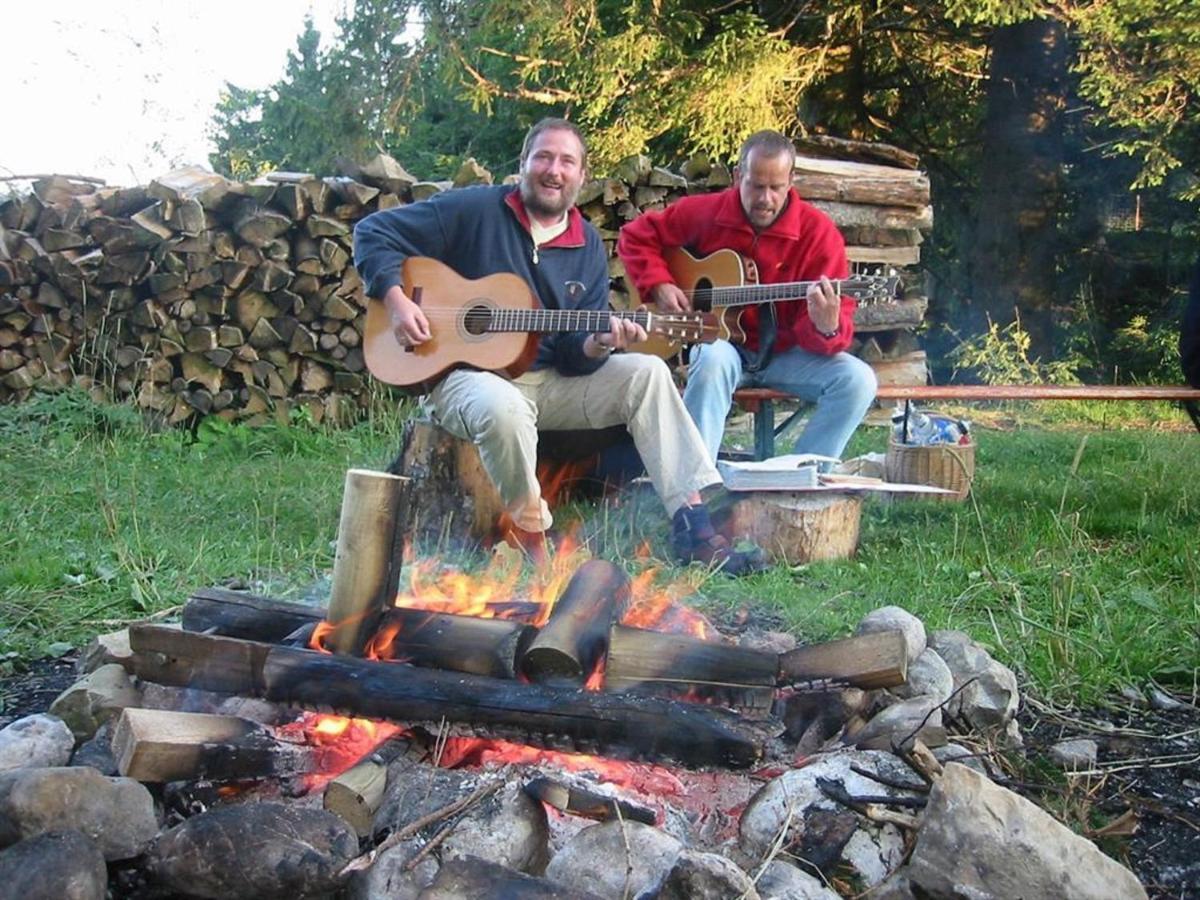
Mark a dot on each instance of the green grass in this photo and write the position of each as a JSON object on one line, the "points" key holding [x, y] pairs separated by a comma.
{"points": [[1082, 576]]}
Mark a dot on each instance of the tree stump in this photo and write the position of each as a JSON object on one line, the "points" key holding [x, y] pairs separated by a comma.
{"points": [[451, 496], [796, 526]]}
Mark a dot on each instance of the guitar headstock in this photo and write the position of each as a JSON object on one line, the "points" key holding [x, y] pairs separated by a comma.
{"points": [[872, 288], [686, 328]]}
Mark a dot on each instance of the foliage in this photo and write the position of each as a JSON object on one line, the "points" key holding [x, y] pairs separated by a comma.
{"points": [[1001, 356], [330, 103], [1139, 62]]}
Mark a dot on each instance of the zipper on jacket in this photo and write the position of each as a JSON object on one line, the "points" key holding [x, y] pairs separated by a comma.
{"points": [[535, 253]]}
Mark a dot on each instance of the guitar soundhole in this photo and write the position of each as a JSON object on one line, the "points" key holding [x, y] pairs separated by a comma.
{"points": [[477, 320], [702, 295]]}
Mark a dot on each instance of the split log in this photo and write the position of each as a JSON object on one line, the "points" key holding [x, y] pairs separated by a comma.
{"points": [[356, 794], [909, 369], [866, 661], [796, 527], [887, 316], [619, 725], [678, 665], [576, 637], [878, 190], [861, 215], [366, 565], [158, 745]]}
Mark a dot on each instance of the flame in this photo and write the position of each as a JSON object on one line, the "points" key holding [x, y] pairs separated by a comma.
{"points": [[662, 608]]}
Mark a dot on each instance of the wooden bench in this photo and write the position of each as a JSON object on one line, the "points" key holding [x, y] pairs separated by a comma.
{"points": [[760, 402]]}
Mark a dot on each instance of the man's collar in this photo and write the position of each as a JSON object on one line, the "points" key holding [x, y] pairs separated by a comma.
{"points": [[574, 235]]}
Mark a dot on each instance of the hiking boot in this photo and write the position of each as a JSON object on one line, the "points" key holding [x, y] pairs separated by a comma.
{"points": [[695, 540]]}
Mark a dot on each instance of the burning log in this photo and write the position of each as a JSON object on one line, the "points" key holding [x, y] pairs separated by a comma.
{"points": [[366, 567], [160, 745], [573, 641], [620, 725], [253, 618], [458, 643], [579, 801], [439, 640], [653, 662], [866, 661]]}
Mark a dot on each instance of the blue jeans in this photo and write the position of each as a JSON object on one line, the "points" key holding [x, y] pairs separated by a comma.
{"points": [[842, 386]]}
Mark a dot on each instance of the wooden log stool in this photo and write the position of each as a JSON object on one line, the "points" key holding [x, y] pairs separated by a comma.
{"points": [[454, 499], [795, 527]]}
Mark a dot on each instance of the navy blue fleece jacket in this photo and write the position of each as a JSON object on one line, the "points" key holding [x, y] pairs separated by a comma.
{"points": [[480, 231]]}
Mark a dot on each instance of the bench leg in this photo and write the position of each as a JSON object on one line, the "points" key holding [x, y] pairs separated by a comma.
{"points": [[764, 430], [1193, 410]]}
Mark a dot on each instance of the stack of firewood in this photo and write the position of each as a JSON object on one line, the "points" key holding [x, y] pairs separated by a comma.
{"points": [[197, 295]]}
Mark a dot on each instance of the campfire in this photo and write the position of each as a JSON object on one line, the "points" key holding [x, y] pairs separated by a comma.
{"points": [[468, 733]]}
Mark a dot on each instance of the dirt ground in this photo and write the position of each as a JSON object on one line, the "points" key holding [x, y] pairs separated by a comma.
{"points": [[1142, 808]]}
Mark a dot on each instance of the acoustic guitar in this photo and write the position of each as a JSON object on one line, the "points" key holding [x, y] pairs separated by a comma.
{"points": [[723, 283], [490, 324]]}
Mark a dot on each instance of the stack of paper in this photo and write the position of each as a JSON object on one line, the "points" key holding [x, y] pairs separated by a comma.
{"points": [[794, 472]]}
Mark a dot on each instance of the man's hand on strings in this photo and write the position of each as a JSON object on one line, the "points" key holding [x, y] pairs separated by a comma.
{"points": [[409, 324], [824, 306], [670, 299], [621, 334]]}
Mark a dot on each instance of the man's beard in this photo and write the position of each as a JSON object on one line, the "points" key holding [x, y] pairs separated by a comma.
{"points": [[537, 204]]}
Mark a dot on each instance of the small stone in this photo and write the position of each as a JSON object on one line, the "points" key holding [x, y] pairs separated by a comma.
{"points": [[1076, 754], [1160, 699], [1132, 695]]}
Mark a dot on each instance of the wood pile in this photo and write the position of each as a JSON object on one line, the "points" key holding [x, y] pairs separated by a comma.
{"points": [[196, 295]]}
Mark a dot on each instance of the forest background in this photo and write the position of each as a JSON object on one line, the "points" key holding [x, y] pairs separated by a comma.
{"points": [[1062, 139]]}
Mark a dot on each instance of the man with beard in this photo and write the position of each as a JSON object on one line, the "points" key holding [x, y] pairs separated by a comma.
{"points": [[533, 230], [797, 346]]}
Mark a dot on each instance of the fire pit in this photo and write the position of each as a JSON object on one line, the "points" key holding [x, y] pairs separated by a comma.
{"points": [[579, 733]]}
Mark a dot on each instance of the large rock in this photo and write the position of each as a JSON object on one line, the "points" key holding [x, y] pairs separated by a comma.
{"points": [[894, 618], [389, 878], [117, 813], [989, 699], [39, 741], [260, 850], [706, 876], [900, 724], [794, 801], [95, 699], [476, 879], [508, 828], [57, 865], [783, 881], [928, 676], [981, 840], [602, 857]]}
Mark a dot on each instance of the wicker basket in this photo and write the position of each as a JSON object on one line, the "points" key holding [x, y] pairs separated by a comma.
{"points": [[949, 466]]}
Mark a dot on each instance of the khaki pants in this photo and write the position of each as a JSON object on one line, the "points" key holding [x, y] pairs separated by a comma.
{"points": [[503, 418]]}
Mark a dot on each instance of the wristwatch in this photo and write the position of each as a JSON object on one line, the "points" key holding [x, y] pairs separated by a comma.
{"points": [[830, 334]]}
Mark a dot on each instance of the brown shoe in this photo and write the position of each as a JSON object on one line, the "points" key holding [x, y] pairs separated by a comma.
{"points": [[695, 540]]}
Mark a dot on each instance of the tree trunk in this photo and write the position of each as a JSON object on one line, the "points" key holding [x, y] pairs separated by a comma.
{"points": [[1013, 260]]}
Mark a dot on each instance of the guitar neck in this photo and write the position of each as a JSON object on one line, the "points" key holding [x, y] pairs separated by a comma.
{"points": [[544, 321], [753, 294]]}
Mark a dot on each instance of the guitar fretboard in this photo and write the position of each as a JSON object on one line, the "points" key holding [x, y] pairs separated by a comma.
{"points": [[749, 294], [547, 320]]}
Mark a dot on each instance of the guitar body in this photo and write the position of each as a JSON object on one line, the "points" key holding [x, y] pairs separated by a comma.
{"points": [[456, 308], [696, 277], [490, 324]]}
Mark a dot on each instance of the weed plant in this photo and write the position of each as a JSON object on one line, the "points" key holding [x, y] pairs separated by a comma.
{"points": [[1075, 560]]}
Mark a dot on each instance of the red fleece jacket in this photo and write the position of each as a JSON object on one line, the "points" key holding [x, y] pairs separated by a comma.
{"points": [[801, 245]]}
